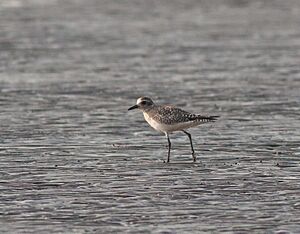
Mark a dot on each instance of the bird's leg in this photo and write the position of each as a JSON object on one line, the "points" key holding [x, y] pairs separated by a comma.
{"points": [[190, 137], [169, 144]]}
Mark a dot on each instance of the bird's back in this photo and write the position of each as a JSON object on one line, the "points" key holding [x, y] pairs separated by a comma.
{"points": [[166, 118]]}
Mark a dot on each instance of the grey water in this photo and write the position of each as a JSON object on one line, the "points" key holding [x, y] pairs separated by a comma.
{"points": [[73, 160]]}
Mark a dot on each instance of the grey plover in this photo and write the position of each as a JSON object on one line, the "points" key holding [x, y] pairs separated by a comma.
{"points": [[167, 119]]}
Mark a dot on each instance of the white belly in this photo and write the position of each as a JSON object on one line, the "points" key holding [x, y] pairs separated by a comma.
{"points": [[160, 127]]}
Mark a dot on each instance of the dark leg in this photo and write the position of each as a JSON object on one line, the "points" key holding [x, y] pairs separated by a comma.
{"points": [[169, 142], [190, 137]]}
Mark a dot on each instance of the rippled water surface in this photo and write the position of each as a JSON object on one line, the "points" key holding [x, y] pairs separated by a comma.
{"points": [[73, 160]]}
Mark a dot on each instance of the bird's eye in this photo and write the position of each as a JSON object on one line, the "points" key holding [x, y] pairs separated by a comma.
{"points": [[143, 102]]}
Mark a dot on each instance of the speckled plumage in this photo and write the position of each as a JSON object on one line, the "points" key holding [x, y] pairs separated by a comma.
{"points": [[173, 115]]}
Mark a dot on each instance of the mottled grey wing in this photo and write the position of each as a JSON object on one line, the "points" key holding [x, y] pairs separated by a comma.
{"points": [[171, 115]]}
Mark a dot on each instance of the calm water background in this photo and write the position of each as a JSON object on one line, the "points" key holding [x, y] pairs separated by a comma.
{"points": [[73, 160]]}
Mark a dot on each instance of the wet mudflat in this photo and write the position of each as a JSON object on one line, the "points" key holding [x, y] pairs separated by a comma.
{"points": [[73, 160]]}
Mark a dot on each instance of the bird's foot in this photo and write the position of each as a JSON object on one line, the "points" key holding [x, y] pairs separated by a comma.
{"points": [[194, 157]]}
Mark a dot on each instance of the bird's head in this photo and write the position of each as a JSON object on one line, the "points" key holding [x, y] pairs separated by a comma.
{"points": [[142, 103]]}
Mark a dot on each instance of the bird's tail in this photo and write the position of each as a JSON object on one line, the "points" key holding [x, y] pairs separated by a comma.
{"points": [[206, 119]]}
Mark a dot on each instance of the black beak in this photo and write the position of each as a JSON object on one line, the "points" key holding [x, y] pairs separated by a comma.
{"points": [[133, 107]]}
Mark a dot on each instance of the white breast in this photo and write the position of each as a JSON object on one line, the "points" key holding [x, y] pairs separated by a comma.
{"points": [[160, 127]]}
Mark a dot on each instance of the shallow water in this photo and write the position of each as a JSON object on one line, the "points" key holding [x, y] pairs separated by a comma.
{"points": [[74, 160]]}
